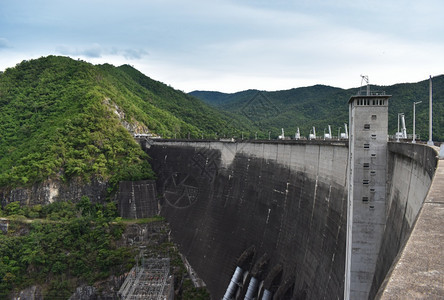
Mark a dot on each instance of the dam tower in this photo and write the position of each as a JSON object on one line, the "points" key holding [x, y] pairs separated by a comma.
{"points": [[367, 176]]}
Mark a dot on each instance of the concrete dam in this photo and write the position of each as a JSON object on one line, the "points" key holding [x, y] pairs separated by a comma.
{"points": [[268, 219]]}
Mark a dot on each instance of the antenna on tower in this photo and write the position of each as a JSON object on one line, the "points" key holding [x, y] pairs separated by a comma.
{"points": [[365, 78]]}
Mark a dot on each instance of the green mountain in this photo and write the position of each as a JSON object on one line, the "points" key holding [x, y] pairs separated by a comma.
{"points": [[62, 118], [321, 106]]}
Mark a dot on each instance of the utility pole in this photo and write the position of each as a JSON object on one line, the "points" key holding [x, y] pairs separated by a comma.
{"points": [[414, 117]]}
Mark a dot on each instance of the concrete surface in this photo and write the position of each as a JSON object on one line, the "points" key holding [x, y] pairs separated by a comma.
{"points": [[287, 200], [137, 199], [366, 219], [410, 173], [418, 272]]}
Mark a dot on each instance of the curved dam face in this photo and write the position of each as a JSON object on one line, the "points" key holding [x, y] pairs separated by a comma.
{"points": [[411, 170], [274, 213], [280, 204]]}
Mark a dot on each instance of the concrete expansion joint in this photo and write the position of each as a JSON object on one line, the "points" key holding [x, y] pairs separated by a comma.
{"points": [[431, 201]]}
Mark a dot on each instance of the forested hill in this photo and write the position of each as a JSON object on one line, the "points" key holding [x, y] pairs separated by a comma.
{"points": [[322, 105], [65, 118]]}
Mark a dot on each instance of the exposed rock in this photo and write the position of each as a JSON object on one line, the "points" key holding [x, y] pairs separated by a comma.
{"points": [[133, 126], [84, 292], [4, 224], [32, 293], [54, 190], [110, 287]]}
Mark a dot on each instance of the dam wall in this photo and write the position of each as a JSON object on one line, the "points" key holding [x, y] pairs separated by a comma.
{"points": [[412, 169], [284, 202], [282, 205]]}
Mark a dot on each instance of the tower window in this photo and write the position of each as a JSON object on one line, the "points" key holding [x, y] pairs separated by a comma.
{"points": [[373, 136], [373, 172], [366, 165], [366, 146], [367, 126], [364, 199], [373, 154], [373, 117], [365, 181]]}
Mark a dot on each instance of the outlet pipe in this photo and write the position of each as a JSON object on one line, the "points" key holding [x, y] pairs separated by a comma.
{"points": [[234, 283], [251, 289], [267, 295]]}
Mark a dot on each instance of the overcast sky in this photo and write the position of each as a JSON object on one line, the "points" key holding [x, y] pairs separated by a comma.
{"points": [[233, 45]]}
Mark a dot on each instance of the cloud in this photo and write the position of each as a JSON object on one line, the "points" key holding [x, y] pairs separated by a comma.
{"points": [[95, 51], [4, 43], [133, 53], [98, 51], [231, 44]]}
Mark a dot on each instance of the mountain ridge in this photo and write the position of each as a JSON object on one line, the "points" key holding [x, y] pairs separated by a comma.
{"points": [[63, 118], [322, 105]]}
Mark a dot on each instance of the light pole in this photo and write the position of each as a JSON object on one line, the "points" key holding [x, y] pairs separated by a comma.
{"points": [[414, 116], [430, 141], [339, 132]]}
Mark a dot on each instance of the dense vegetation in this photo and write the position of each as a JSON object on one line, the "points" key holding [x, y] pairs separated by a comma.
{"points": [[63, 118], [63, 246], [321, 106]]}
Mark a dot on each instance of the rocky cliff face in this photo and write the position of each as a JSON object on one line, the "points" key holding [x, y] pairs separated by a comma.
{"points": [[53, 190], [32, 293]]}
